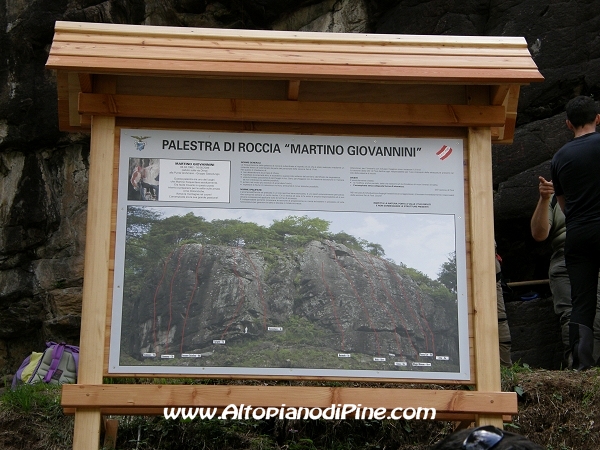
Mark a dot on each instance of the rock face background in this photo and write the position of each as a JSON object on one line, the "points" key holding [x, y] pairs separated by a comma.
{"points": [[348, 300], [43, 173]]}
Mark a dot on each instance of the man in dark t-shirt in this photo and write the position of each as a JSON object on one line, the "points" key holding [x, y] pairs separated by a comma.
{"points": [[576, 177]]}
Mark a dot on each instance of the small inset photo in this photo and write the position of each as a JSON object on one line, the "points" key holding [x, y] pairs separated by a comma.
{"points": [[143, 179]]}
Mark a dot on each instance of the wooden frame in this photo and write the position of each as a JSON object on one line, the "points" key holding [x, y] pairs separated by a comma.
{"points": [[111, 76]]}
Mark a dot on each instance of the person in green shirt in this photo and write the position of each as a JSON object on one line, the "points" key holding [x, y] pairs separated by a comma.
{"points": [[548, 223]]}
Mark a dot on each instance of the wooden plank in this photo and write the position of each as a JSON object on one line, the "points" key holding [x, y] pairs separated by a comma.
{"points": [[277, 90], [469, 273], [97, 249], [481, 218], [117, 52], [275, 127], [62, 87], [238, 34], [305, 112], [293, 89], [483, 282], [160, 396], [111, 426], [478, 95], [96, 269], [365, 47], [304, 71], [383, 92], [86, 82], [86, 434], [507, 96], [498, 94], [511, 104], [73, 92], [294, 128], [113, 240], [203, 87]]}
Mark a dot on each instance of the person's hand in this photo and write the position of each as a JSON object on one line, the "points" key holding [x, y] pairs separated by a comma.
{"points": [[546, 188]]}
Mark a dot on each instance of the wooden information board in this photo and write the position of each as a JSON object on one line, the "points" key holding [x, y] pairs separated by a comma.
{"points": [[160, 91]]}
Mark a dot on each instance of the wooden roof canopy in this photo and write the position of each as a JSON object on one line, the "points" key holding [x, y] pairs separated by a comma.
{"points": [[289, 81]]}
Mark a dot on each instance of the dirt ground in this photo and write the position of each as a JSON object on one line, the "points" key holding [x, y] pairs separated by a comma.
{"points": [[559, 409]]}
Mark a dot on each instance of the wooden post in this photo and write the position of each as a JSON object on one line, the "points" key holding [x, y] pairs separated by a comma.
{"points": [[111, 427], [485, 315], [96, 273]]}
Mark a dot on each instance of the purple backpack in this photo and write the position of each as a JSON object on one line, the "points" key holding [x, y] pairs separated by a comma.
{"points": [[57, 365]]}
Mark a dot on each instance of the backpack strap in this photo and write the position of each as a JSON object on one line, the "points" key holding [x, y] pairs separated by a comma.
{"points": [[57, 353], [553, 202], [75, 353], [17, 376]]}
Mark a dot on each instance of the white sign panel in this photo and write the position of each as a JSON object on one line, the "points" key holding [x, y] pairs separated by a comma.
{"points": [[284, 255], [195, 181]]}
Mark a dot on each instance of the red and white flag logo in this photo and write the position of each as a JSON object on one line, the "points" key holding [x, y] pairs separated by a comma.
{"points": [[444, 152]]}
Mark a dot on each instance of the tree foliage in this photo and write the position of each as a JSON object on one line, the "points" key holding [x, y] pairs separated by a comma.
{"points": [[156, 235], [150, 238], [447, 273]]}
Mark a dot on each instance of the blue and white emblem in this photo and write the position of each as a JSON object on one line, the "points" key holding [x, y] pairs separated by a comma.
{"points": [[139, 142]]}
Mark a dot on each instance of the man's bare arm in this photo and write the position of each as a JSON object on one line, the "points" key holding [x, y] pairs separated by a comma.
{"points": [[540, 221]]}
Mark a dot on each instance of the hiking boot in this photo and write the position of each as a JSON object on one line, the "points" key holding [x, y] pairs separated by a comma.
{"points": [[581, 339]]}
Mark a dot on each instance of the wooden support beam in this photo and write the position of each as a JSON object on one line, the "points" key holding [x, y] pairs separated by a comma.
{"points": [[498, 94], [86, 82], [97, 268], [293, 89], [485, 317], [219, 396], [111, 426], [285, 111], [73, 94], [507, 96], [511, 102]]}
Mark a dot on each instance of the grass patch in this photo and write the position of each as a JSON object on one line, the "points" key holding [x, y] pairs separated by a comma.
{"points": [[31, 417], [511, 376], [29, 397]]}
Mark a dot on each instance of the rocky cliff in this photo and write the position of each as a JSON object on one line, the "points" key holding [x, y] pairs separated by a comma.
{"points": [[43, 172], [299, 308]]}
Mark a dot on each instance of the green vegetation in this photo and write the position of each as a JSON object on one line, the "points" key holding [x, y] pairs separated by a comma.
{"points": [[32, 396], [511, 377], [153, 235], [31, 417], [557, 409], [434, 288], [301, 344], [447, 273]]}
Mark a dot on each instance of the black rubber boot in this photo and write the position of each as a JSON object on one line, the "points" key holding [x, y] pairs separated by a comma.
{"points": [[581, 339]]}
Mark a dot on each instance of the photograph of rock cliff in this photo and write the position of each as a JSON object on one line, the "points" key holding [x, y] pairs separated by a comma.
{"points": [[294, 294]]}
